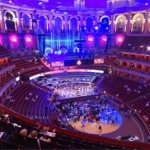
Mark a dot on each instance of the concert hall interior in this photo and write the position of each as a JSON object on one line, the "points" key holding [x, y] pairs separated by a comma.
{"points": [[75, 74]]}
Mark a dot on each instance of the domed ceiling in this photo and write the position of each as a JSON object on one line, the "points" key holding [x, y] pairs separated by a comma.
{"points": [[74, 6], [55, 4]]}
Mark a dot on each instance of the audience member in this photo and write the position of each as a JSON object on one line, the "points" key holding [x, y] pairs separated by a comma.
{"points": [[24, 132], [33, 134]]}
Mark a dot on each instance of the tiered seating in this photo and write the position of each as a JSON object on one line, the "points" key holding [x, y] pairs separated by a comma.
{"points": [[4, 52], [22, 53], [35, 71], [5, 80], [70, 140], [110, 60], [31, 102], [135, 42], [137, 55], [22, 65], [124, 89], [141, 107]]}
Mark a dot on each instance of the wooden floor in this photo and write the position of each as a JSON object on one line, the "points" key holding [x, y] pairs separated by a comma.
{"points": [[93, 127]]}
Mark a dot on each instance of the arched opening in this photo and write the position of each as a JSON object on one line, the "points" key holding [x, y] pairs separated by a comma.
{"points": [[121, 24], [42, 23], [26, 21], [73, 24], [138, 25], [58, 24], [89, 24], [10, 23], [104, 24]]}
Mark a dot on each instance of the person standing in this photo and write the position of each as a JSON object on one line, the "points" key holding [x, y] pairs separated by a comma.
{"points": [[100, 128]]}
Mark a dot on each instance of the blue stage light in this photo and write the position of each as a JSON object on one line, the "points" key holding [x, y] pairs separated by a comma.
{"points": [[96, 28], [40, 3], [59, 52]]}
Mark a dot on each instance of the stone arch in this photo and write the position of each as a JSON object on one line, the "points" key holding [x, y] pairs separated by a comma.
{"points": [[11, 12], [121, 23], [103, 17], [89, 23], [58, 17], [104, 24], [74, 17], [10, 21], [138, 23], [43, 16], [73, 23], [58, 23], [26, 20], [42, 23]]}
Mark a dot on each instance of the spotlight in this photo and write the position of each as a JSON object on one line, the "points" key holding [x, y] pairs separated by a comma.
{"points": [[28, 39], [40, 3], [90, 39], [79, 62], [96, 27]]}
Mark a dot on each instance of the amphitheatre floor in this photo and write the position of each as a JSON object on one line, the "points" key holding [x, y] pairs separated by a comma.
{"points": [[92, 128]]}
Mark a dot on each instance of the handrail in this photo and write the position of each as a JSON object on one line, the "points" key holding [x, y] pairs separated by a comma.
{"points": [[81, 135], [7, 69], [7, 85]]}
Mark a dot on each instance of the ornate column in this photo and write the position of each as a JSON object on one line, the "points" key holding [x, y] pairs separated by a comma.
{"points": [[63, 25], [30, 24], [69, 25], [53, 24], [66, 22], [78, 26], [81, 20], [125, 28], [38, 24], [2, 21], [18, 22], [128, 27], [94, 23], [113, 24], [96, 19], [145, 21], [47, 25], [50, 22], [131, 26], [21, 23]]}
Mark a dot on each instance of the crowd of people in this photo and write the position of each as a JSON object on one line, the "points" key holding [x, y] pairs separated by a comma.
{"points": [[69, 87], [99, 110], [38, 132]]}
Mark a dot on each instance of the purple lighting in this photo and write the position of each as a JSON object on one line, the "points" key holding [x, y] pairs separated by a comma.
{"points": [[28, 41], [119, 39], [96, 27], [13, 38], [28, 38], [1, 40], [14, 41], [90, 39], [103, 40]]}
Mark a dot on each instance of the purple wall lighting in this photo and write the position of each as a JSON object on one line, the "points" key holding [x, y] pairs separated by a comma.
{"points": [[14, 41], [1, 40], [90, 41], [103, 41], [119, 39], [28, 41]]}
